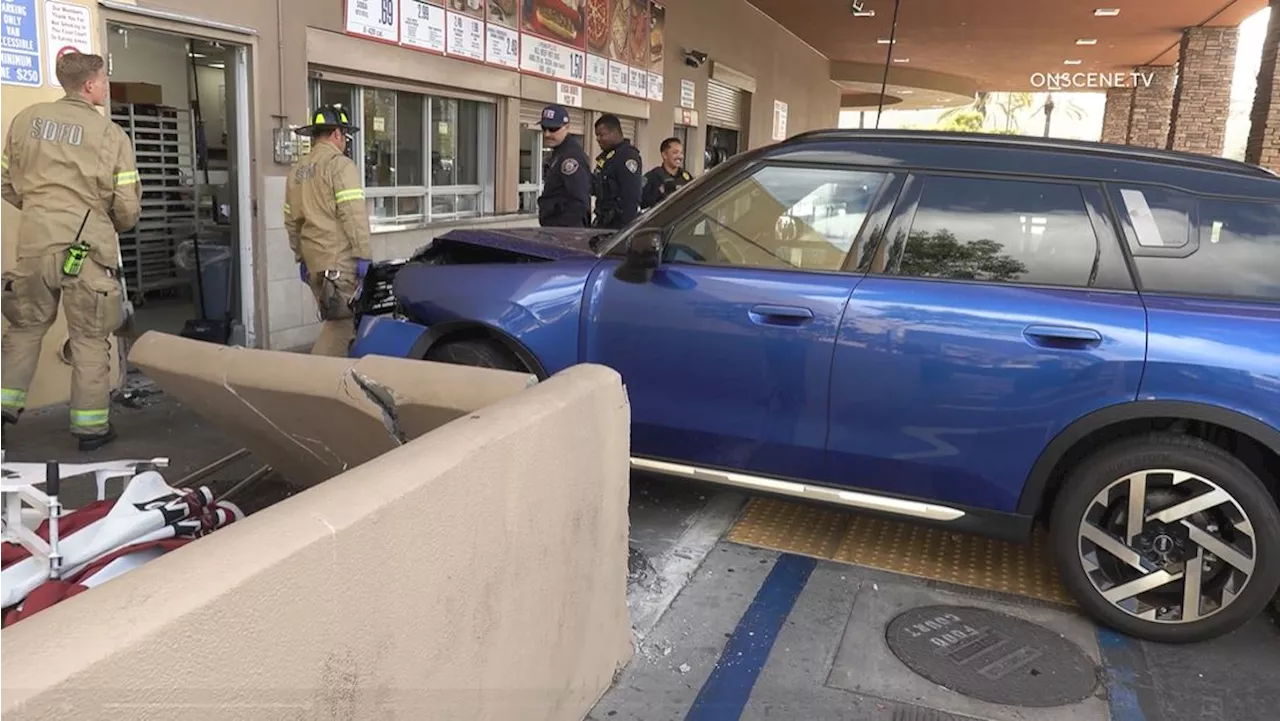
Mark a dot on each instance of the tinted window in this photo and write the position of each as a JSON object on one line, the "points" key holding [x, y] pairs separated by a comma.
{"points": [[1158, 217], [999, 230], [779, 217], [1238, 254]]}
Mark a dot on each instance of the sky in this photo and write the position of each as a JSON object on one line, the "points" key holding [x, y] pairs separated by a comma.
{"points": [[1090, 106]]}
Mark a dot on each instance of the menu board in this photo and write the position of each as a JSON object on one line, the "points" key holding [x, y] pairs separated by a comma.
{"points": [[422, 26], [614, 45]]}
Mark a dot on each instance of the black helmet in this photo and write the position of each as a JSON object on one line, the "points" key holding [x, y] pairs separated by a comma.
{"points": [[329, 117]]}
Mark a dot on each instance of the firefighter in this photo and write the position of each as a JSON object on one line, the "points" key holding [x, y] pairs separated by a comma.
{"points": [[71, 172], [617, 176], [566, 191], [328, 225], [666, 178]]}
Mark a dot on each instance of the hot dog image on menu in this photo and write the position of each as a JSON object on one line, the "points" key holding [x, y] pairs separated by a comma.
{"points": [[557, 20]]}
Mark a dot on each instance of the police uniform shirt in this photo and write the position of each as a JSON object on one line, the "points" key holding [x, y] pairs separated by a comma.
{"points": [[566, 193], [655, 180], [618, 185]]}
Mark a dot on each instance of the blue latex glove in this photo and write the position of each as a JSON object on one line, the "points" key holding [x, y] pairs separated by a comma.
{"points": [[362, 267], [302, 272]]}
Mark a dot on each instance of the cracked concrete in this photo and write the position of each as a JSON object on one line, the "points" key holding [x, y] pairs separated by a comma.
{"points": [[313, 417]]}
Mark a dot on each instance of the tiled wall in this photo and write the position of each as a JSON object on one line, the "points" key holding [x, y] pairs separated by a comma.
{"points": [[1115, 119], [291, 310], [1152, 107]]}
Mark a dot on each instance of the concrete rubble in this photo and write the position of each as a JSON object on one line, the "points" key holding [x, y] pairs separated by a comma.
{"points": [[311, 418]]}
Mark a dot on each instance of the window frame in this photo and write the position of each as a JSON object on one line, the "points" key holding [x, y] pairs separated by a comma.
{"points": [[1110, 264], [483, 193], [880, 207]]}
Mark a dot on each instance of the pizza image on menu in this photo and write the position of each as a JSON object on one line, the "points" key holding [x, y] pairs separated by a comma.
{"points": [[619, 20], [558, 20], [597, 22], [637, 53]]}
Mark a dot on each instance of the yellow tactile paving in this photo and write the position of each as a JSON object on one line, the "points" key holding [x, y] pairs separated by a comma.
{"points": [[901, 547]]}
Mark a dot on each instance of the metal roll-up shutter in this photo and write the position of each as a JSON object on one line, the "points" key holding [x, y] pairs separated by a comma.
{"points": [[531, 114], [724, 106], [628, 129]]}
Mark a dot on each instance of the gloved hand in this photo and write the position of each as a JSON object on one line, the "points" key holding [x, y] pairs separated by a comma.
{"points": [[362, 267], [302, 272]]}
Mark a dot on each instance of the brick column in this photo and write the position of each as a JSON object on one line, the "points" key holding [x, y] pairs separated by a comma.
{"points": [[1115, 119], [1202, 98], [1264, 132], [1152, 105]]}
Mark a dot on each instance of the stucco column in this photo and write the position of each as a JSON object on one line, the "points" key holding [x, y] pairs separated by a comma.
{"points": [[1263, 147], [1202, 97], [1115, 119], [1152, 105]]}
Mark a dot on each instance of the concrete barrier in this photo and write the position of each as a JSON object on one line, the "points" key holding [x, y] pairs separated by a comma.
{"points": [[477, 572], [310, 417]]}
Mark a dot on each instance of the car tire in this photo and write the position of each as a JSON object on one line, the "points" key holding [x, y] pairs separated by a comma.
{"points": [[1237, 579], [478, 352]]}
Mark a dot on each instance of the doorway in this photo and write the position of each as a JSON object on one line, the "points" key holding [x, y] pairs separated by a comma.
{"points": [[182, 101]]}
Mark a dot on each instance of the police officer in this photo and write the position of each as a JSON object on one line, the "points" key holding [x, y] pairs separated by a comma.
{"points": [[566, 191], [328, 225], [71, 172], [617, 176], [666, 178]]}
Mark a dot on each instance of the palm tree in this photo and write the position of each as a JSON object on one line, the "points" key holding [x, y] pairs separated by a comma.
{"points": [[979, 106], [1073, 111]]}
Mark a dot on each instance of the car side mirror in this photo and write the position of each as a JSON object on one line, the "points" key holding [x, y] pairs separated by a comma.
{"points": [[644, 256]]}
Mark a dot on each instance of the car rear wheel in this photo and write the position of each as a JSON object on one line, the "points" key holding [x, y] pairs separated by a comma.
{"points": [[479, 352], [1167, 538]]}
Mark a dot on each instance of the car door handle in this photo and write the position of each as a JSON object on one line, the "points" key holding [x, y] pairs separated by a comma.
{"points": [[1062, 336], [780, 315]]}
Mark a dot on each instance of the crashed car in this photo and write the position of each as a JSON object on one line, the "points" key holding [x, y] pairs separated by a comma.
{"points": [[990, 333]]}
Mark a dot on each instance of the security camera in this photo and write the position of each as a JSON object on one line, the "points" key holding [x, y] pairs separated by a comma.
{"points": [[694, 58]]}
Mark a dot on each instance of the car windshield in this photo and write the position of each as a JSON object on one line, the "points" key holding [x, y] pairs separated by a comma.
{"points": [[607, 243]]}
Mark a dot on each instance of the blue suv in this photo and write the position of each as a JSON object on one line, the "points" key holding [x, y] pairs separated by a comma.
{"points": [[986, 332]]}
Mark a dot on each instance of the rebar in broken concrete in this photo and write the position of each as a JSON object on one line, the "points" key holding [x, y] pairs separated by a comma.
{"points": [[249, 480], [214, 467]]}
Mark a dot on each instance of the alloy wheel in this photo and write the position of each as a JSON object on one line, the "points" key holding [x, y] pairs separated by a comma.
{"points": [[1167, 546]]}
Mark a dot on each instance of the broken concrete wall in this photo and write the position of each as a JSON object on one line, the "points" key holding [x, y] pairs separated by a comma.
{"points": [[312, 417], [477, 572]]}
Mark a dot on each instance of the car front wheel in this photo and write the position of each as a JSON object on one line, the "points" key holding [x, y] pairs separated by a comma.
{"points": [[1167, 538]]}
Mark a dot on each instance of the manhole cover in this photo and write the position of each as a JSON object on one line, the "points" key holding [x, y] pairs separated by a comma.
{"points": [[992, 656]]}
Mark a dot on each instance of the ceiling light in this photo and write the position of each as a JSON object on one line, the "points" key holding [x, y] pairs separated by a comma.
{"points": [[902, 60], [885, 41], [1070, 62], [1087, 41], [219, 66], [196, 55], [1106, 12], [908, 92]]}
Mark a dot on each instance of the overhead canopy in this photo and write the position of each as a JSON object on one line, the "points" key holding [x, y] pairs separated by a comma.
{"points": [[993, 45]]}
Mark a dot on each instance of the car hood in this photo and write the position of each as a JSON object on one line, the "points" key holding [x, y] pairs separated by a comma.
{"points": [[544, 243]]}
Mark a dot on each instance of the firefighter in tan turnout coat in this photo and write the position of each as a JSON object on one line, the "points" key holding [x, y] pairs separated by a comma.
{"points": [[328, 226], [71, 173]]}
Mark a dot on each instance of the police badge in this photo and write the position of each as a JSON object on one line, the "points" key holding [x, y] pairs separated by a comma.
{"points": [[569, 166], [633, 166]]}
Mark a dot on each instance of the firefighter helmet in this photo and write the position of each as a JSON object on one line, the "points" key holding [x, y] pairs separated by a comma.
{"points": [[327, 118]]}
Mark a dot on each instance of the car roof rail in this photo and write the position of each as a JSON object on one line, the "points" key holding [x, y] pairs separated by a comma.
{"points": [[1189, 160]]}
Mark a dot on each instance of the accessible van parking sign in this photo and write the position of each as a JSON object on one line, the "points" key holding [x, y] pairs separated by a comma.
{"points": [[20, 44]]}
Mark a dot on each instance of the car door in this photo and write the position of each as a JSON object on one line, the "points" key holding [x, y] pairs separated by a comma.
{"points": [[997, 311], [726, 351]]}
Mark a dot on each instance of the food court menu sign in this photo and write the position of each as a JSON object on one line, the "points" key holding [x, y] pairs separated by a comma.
{"points": [[615, 45]]}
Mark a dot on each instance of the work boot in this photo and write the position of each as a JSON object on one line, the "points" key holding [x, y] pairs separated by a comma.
{"points": [[93, 443]]}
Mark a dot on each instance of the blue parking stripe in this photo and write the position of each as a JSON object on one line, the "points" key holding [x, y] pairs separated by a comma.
{"points": [[1123, 669], [724, 694]]}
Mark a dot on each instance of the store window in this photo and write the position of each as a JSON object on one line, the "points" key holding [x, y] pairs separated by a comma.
{"points": [[423, 158]]}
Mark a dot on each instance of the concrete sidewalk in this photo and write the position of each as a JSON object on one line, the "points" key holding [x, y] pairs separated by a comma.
{"points": [[762, 635]]}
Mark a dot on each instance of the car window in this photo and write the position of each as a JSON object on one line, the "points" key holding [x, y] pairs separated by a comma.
{"points": [[1006, 231], [1237, 254], [780, 217], [1158, 217]]}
